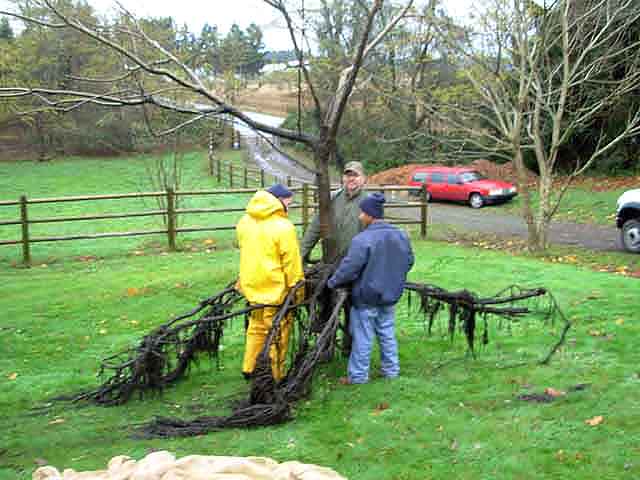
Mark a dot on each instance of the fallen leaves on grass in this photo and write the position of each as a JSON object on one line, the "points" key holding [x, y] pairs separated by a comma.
{"points": [[597, 420], [553, 392], [56, 421], [12, 376], [603, 335], [135, 292], [381, 407]]}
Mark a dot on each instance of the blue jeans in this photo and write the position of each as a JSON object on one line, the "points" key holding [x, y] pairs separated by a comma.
{"points": [[366, 321]]}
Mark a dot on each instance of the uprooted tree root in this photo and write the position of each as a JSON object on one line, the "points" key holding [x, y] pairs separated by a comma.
{"points": [[164, 355], [466, 310]]}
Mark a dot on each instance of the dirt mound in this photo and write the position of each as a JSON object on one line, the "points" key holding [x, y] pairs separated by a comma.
{"points": [[505, 171], [395, 176], [400, 175]]}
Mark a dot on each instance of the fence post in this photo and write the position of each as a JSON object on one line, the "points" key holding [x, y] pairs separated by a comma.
{"points": [[288, 180], [211, 153], [24, 218], [305, 206], [246, 177], [171, 218], [261, 178], [230, 174], [423, 212], [219, 162]]}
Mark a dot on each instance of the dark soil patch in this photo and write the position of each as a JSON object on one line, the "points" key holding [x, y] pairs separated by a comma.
{"points": [[536, 397], [548, 397]]}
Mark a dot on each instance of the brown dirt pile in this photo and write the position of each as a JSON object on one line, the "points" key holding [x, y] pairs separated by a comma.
{"points": [[400, 175]]}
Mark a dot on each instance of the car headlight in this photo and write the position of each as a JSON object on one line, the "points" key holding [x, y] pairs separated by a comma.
{"points": [[513, 190], [495, 191]]}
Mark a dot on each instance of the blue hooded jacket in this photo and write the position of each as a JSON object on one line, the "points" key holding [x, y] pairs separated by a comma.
{"points": [[377, 263]]}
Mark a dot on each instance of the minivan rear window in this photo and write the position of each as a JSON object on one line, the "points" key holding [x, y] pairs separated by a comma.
{"points": [[474, 176]]}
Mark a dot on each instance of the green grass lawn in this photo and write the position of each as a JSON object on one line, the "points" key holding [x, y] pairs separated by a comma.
{"points": [[447, 416], [579, 205]]}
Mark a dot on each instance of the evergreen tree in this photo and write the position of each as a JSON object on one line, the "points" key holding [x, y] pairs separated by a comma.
{"points": [[6, 32]]}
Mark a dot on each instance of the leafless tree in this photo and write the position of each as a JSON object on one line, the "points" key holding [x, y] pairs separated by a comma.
{"points": [[171, 74], [526, 88]]}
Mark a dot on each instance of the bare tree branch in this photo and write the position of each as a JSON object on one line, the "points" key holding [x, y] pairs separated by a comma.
{"points": [[348, 76], [279, 5]]}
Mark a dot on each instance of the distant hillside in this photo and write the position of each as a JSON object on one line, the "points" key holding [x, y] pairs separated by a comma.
{"points": [[272, 99]]}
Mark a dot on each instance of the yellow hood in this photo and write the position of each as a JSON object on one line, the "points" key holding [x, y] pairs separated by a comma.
{"points": [[262, 205], [270, 262]]}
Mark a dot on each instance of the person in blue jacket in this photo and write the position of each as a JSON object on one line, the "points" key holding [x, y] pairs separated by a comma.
{"points": [[376, 267]]}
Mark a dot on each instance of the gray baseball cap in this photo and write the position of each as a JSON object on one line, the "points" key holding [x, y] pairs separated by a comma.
{"points": [[354, 167]]}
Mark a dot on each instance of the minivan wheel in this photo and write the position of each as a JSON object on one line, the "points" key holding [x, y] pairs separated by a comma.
{"points": [[630, 235], [476, 200]]}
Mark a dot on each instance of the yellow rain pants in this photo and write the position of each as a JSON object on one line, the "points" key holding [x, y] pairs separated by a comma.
{"points": [[260, 322]]}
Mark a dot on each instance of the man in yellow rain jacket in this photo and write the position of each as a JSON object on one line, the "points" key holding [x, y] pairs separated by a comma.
{"points": [[270, 264]]}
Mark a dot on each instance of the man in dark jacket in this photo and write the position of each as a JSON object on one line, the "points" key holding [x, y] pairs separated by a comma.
{"points": [[376, 266]]}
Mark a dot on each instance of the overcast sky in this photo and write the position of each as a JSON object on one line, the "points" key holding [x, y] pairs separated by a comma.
{"points": [[223, 13]]}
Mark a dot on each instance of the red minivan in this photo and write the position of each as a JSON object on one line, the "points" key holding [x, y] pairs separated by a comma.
{"points": [[461, 184]]}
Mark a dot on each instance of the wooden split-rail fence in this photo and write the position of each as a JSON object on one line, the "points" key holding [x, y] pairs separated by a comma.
{"points": [[239, 181]]}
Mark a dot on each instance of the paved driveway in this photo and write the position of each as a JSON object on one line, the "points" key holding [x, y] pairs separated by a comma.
{"points": [[491, 219]]}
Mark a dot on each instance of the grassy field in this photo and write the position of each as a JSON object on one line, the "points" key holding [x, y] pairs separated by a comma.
{"points": [[447, 415], [83, 176], [581, 204]]}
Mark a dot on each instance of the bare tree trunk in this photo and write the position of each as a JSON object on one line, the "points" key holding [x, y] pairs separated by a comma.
{"points": [[42, 137], [545, 190], [523, 190], [323, 151]]}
